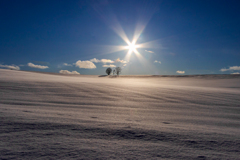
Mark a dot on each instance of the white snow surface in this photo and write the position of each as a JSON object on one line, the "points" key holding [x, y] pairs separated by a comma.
{"points": [[52, 116]]}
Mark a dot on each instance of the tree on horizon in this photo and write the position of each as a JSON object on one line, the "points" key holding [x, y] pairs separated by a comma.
{"points": [[118, 70], [109, 70]]}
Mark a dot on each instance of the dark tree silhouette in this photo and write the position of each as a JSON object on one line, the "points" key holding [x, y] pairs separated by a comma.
{"points": [[114, 71], [118, 70], [108, 71]]}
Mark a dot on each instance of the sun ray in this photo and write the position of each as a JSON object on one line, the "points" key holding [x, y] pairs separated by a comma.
{"points": [[120, 32], [107, 49], [151, 44]]}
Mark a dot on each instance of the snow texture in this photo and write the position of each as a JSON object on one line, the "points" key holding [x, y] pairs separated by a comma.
{"points": [[53, 116]]}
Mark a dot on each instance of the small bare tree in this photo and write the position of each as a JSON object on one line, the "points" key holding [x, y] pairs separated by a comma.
{"points": [[108, 71], [118, 70]]}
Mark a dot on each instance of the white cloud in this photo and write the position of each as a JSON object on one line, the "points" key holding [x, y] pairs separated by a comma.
{"points": [[85, 64], [233, 68], [149, 51], [106, 61], [223, 69], [95, 60], [102, 60], [66, 64], [157, 61], [180, 72], [68, 72], [111, 65], [121, 61], [37, 66], [235, 73], [10, 67]]}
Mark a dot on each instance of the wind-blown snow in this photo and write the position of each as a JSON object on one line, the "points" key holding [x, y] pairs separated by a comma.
{"points": [[51, 116]]}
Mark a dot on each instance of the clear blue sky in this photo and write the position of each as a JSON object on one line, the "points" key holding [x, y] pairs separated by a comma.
{"points": [[184, 36]]}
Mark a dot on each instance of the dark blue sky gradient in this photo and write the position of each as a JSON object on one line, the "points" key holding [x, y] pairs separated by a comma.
{"points": [[197, 36]]}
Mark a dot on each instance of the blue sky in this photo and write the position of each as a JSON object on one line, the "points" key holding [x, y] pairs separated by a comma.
{"points": [[172, 36]]}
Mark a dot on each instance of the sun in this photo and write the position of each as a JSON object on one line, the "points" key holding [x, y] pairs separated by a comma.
{"points": [[132, 47]]}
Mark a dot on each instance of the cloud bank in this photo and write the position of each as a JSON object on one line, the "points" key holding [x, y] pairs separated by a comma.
{"points": [[101, 61], [157, 61], [121, 61], [37, 66], [14, 67], [233, 68], [235, 73], [85, 64], [111, 65], [180, 72], [68, 72]]}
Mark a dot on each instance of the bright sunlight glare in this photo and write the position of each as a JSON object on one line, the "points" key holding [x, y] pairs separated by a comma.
{"points": [[132, 47]]}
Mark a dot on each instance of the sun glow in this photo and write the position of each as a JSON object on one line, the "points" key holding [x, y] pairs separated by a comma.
{"points": [[137, 42], [132, 47]]}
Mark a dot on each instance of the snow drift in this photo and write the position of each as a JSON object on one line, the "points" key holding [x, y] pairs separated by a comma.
{"points": [[46, 116]]}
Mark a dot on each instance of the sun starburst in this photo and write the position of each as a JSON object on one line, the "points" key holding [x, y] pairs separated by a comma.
{"points": [[132, 47]]}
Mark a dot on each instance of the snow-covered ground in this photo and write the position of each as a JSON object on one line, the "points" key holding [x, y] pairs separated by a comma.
{"points": [[51, 116]]}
